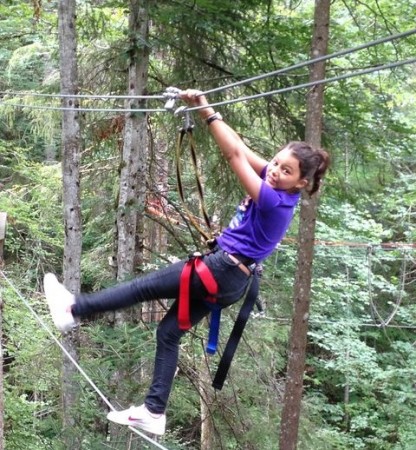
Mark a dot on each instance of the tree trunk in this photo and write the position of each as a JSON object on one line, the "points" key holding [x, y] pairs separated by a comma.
{"points": [[297, 345], [132, 185], [1, 370], [156, 239], [3, 220], [134, 159], [206, 399], [71, 151]]}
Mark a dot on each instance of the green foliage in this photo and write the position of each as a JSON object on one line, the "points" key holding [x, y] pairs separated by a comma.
{"points": [[358, 382], [27, 65], [350, 356], [32, 201], [31, 373]]}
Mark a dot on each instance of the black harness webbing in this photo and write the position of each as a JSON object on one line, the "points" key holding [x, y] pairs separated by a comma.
{"points": [[236, 333], [187, 130]]}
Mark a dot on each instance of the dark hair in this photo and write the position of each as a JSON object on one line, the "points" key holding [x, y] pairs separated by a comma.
{"points": [[313, 163]]}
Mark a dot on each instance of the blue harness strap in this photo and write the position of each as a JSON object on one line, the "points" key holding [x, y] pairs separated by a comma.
{"points": [[214, 328]]}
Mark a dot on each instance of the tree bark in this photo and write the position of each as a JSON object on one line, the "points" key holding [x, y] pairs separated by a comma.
{"points": [[132, 190], [206, 399], [1, 371], [298, 338], [71, 151], [156, 239], [3, 220]]}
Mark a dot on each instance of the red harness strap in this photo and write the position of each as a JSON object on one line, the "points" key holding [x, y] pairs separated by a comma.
{"points": [[196, 262], [208, 280]]}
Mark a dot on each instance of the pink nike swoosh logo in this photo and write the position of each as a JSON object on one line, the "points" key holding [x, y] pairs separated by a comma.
{"points": [[133, 418]]}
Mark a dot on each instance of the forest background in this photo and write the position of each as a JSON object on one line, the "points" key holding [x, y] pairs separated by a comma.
{"points": [[359, 380]]}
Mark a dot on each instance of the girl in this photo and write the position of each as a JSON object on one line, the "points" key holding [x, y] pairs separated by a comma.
{"points": [[260, 223]]}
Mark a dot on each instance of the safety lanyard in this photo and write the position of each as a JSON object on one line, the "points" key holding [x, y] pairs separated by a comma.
{"points": [[186, 130]]}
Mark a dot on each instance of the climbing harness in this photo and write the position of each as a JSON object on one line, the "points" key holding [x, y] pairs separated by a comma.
{"points": [[172, 94], [236, 333], [195, 263]]}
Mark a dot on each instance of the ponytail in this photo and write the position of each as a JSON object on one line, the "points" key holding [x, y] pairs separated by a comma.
{"points": [[320, 171], [313, 163]]}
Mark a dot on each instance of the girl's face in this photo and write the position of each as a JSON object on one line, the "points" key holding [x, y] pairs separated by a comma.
{"points": [[283, 172]]}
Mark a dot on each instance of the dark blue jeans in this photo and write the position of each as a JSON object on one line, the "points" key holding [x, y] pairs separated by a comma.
{"points": [[164, 283]]}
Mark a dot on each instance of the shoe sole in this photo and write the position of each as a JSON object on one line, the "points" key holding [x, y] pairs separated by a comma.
{"points": [[136, 424]]}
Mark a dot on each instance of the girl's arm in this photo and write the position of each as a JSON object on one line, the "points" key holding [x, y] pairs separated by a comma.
{"points": [[255, 161], [245, 163]]}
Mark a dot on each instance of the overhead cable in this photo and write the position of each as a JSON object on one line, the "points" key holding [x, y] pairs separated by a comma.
{"points": [[81, 109], [236, 100], [246, 81], [85, 96], [306, 85], [231, 85], [313, 61]]}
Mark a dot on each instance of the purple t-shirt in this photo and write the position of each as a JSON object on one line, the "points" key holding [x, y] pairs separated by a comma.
{"points": [[257, 228]]}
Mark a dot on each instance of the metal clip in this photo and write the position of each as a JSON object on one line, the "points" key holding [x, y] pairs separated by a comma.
{"points": [[179, 111], [171, 94], [188, 125], [187, 122]]}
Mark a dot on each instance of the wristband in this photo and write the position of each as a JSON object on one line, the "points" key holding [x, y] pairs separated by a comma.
{"points": [[212, 117]]}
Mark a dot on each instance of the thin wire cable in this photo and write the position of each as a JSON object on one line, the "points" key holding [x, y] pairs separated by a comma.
{"points": [[305, 85], [287, 320], [231, 85], [239, 99], [60, 108], [69, 356], [374, 309], [232, 101], [401, 293], [86, 96], [313, 61], [41, 321]]}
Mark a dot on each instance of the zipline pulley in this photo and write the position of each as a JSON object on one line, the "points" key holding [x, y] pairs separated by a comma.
{"points": [[171, 94]]}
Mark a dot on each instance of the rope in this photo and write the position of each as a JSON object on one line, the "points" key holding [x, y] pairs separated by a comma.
{"points": [[400, 297], [313, 61], [288, 320], [187, 130], [288, 241], [374, 309], [69, 356]]}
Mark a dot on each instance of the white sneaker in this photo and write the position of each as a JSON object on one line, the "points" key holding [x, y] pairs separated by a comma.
{"points": [[140, 417], [59, 301]]}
